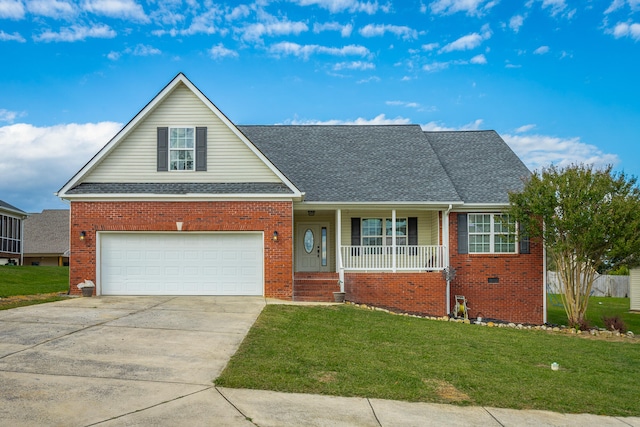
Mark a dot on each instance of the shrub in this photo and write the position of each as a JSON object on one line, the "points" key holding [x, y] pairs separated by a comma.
{"points": [[614, 323], [583, 325]]}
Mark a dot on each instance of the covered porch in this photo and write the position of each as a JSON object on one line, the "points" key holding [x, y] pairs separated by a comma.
{"points": [[336, 249]]}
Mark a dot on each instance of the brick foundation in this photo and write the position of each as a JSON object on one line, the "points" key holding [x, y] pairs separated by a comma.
{"points": [[268, 217], [419, 293]]}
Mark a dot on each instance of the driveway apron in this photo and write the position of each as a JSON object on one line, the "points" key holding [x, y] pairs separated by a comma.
{"points": [[86, 361]]}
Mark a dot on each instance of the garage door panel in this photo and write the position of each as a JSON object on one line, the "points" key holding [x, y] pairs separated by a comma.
{"points": [[181, 264]]}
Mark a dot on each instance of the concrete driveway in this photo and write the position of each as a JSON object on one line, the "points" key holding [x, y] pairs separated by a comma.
{"points": [[106, 360]]}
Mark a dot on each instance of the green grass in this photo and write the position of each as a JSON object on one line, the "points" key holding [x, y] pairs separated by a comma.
{"points": [[597, 308], [23, 303], [32, 280], [348, 351]]}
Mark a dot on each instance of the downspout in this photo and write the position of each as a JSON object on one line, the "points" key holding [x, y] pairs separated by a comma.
{"points": [[446, 258]]}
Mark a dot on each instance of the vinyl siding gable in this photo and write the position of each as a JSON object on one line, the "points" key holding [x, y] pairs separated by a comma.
{"points": [[229, 160]]}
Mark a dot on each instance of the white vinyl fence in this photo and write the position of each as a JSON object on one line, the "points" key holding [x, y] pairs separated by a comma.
{"points": [[603, 286]]}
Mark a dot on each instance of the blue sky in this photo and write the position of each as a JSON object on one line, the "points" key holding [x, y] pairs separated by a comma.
{"points": [[558, 79]]}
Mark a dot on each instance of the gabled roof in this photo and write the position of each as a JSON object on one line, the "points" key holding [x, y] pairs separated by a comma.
{"points": [[389, 163], [47, 232], [157, 100], [480, 164], [4, 206]]}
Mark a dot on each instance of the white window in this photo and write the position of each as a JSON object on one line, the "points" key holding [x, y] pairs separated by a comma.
{"points": [[491, 233], [372, 232], [182, 149]]}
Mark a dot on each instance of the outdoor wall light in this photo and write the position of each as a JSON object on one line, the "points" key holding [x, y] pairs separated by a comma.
{"points": [[275, 236], [83, 234], [179, 225], [311, 213]]}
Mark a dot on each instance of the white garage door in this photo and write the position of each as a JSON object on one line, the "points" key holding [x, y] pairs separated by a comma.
{"points": [[181, 264]]}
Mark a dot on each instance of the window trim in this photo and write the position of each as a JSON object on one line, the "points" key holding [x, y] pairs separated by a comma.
{"points": [[492, 234], [192, 150], [384, 236]]}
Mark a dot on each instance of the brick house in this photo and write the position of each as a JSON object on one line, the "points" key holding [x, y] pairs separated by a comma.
{"points": [[184, 202]]}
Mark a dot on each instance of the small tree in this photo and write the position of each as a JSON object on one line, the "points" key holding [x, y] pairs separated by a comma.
{"points": [[588, 219]]}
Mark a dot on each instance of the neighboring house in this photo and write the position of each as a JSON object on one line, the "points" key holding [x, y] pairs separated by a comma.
{"points": [[46, 238], [11, 232], [184, 202], [634, 289]]}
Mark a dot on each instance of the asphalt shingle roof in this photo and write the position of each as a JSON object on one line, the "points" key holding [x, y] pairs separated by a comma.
{"points": [[481, 165], [47, 232], [6, 205], [392, 163], [181, 188]]}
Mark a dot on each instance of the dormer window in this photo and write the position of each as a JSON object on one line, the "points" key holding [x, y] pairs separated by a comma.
{"points": [[182, 149]]}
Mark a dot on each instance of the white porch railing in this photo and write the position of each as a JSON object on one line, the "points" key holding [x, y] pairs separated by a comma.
{"points": [[381, 257]]}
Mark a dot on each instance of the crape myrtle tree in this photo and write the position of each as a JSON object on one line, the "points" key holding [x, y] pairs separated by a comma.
{"points": [[588, 220]]}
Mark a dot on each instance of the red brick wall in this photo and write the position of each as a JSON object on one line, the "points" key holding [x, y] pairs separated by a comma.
{"points": [[419, 293], [517, 297], [92, 217]]}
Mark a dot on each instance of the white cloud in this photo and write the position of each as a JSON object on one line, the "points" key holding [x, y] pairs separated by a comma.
{"points": [[436, 66], [120, 9], [470, 7], [372, 30], [255, 32], [542, 151], [430, 46], [11, 9], [51, 8], [138, 50], [468, 42], [615, 5], [516, 22], [238, 12], [354, 65], [345, 30], [404, 104], [76, 33], [556, 7], [371, 79], [335, 6], [478, 59], [304, 51], [437, 127], [525, 128], [541, 50], [623, 29], [44, 158], [219, 52], [380, 119], [16, 37], [9, 116]]}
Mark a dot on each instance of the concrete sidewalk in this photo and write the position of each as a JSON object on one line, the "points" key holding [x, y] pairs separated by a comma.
{"points": [[138, 361]]}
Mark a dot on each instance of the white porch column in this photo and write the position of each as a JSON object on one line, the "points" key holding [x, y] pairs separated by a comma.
{"points": [[393, 239], [339, 267]]}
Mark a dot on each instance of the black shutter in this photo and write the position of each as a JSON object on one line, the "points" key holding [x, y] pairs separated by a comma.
{"points": [[201, 149], [163, 149], [355, 231], [355, 236], [463, 234], [525, 246], [412, 231]]}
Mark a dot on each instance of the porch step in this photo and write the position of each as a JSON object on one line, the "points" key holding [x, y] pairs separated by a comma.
{"points": [[315, 286]]}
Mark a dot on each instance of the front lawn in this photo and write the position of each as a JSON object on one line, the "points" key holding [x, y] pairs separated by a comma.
{"points": [[349, 351], [26, 285]]}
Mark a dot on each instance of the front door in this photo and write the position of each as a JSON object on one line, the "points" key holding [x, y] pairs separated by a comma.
{"points": [[312, 247]]}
